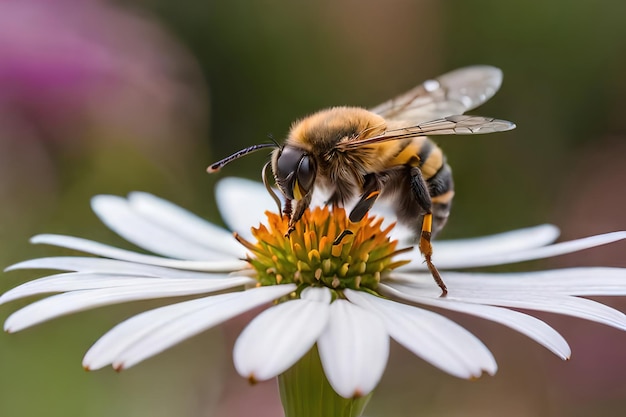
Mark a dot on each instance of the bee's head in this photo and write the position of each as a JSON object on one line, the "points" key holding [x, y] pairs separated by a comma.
{"points": [[294, 170]]}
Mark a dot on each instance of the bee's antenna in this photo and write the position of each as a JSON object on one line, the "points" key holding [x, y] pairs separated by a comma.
{"points": [[220, 164], [269, 187], [271, 137]]}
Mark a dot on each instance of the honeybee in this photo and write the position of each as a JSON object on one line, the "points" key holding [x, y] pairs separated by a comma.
{"points": [[384, 152]]}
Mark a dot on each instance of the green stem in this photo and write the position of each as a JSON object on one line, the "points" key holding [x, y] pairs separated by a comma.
{"points": [[305, 392]]}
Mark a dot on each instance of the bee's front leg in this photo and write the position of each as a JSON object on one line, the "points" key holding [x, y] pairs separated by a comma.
{"points": [[298, 211], [288, 209]]}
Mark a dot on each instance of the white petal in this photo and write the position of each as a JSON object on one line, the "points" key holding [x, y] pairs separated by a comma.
{"points": [[511, 241], [431, 336], [530, 326], [154, 331], [120, 337], [75, 281], [110, 266], [161, 229], [520, 296], [242, 204], [316, 294], [559, 304], [120, 217], [62, 304], [279, 337], [353, 349], [565, 281], [461, 260], [187, 224], [87, 264], [101, 249]]}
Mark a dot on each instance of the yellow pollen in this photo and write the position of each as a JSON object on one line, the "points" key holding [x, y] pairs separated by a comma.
{"points": [[314, 255], [324, 249]]}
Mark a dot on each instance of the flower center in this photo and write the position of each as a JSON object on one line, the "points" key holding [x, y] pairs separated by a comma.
{"points": [[325, 249]]}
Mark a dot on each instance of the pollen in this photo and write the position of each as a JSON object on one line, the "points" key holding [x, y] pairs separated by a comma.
{"points": [[325, 249]]}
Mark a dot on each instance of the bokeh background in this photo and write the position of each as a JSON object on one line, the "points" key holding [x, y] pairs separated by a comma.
{"points": [[104, 96]]}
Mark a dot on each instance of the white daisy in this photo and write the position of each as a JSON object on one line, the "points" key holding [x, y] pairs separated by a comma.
{"points": [[346, 299]]}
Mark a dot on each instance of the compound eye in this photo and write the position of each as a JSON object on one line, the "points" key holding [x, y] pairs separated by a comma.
{"points": [[287, 163], [285, 170], [305, 175]]}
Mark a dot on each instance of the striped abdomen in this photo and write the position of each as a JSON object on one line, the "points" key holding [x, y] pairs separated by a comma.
{"points": [[425, 155]]}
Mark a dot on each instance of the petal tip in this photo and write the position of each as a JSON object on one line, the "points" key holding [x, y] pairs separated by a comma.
{"points": [[34, 239], [357, 394]]}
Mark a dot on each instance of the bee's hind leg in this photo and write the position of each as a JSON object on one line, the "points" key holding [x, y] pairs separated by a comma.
{"points": [[371, 191], [420, 191], [427, 250]]}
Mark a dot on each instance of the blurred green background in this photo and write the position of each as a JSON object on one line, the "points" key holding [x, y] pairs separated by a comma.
{"points": [[109, 97]]}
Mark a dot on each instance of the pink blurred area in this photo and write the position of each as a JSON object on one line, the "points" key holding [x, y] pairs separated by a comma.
{"points": [[70, 64], [82, 79]]}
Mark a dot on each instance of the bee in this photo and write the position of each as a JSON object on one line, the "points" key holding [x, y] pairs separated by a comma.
{"points": [[355, 153]]}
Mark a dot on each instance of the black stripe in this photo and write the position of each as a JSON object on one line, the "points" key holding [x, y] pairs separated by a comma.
{"points": [[425, 151], [441, 182]]}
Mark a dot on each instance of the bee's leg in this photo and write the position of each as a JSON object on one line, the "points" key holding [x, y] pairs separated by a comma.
{"points": [[420, 191], [371, 191], [298, 211], [288, 210]]}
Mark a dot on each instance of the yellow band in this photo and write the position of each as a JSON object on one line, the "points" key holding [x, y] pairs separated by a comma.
{"points": [[427, 226]]}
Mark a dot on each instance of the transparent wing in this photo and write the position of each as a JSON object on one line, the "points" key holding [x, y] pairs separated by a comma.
{"points": [[452, 93], [451, 125]]}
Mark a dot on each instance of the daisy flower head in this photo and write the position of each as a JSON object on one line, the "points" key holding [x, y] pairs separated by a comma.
{"points": [[343, 300]]}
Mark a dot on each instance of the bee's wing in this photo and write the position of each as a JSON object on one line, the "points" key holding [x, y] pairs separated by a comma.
{"points": [[452, 93], [451, 125]]}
